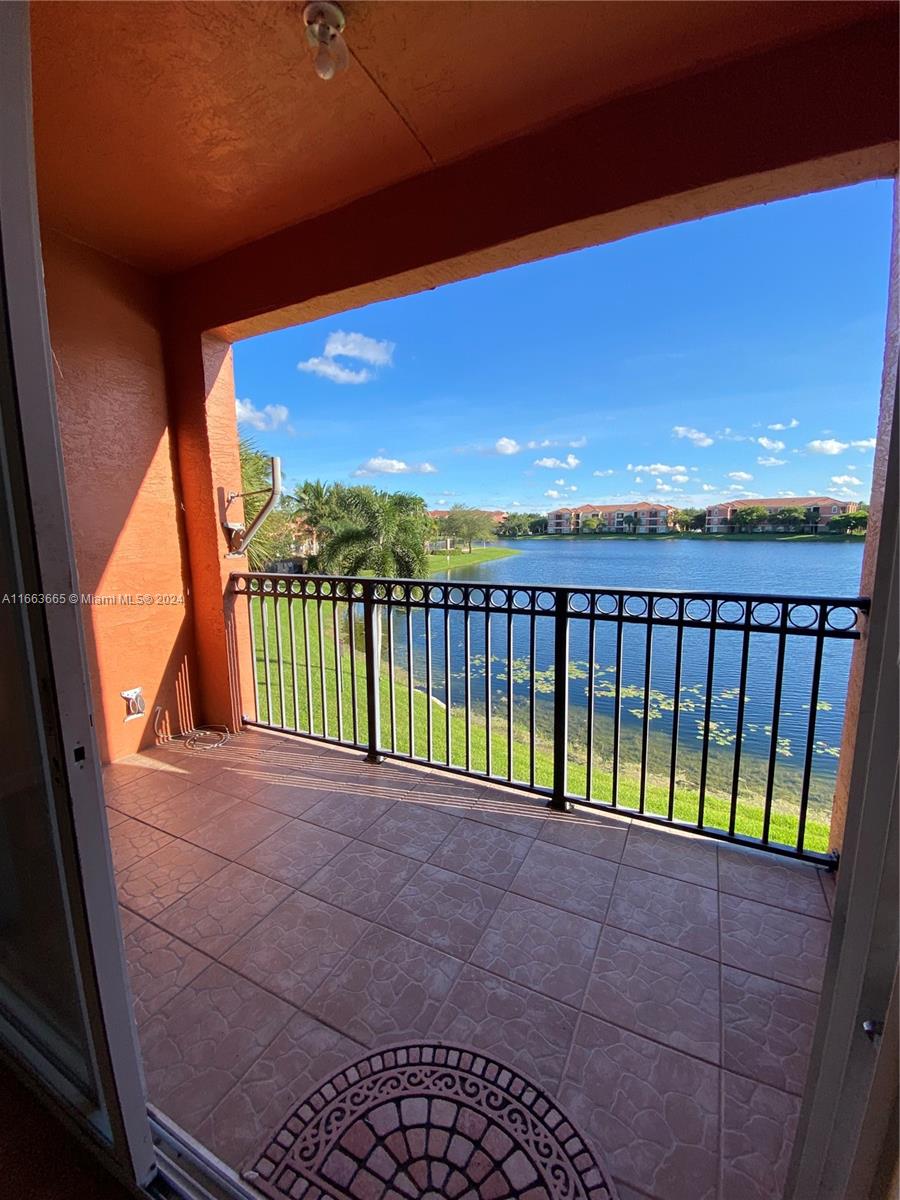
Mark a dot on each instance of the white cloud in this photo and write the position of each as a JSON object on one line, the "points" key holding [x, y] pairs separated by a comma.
{"points": [[265, 419], [357, 345], [770, 443], [578, 443], [559, 482], [827, 446], [693, 435], [770, 461], [681, 478], [846, 479], [864, 444], [658, 469], [327, 368], [569, 461], [663, 487], [737, 487], [553, 495], [781, 425], [507, 445], [546, 443], [572, 487], [604, 474], [349, 345], [638, 479], [740, 476], [707, 487], [787, 495], [393, 466]]}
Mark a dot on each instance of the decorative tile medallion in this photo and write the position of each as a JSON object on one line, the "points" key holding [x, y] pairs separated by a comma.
{"points": [[428, 1122]]}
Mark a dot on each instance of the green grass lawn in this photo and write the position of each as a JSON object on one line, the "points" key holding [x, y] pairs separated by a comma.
{"points": [[461, 558], [314, 693]]}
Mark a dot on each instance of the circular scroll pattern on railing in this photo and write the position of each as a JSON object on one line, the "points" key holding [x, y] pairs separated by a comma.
{"points": [[295, 588], [268, 587], [665, 608], [765, 613], [546, 601], [311, 589], [635, 606], [397, 592], [498, 598], [521, 600], [802, 616], [697, 609], [730, 612], [326, 588], [841, 617], [606, 604], [380, 591], [437, 595], [456, 595], [476, 597], [579, 603], [416, 594]]}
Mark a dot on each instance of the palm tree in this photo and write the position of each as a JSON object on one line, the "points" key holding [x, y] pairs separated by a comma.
{"points": [[381, 533]]}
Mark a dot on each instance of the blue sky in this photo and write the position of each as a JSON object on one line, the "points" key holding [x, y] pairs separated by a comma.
{"points": [[735, 356]]}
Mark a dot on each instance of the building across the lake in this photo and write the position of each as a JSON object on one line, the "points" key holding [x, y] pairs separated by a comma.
{"points": [[642, 517], [720, 518]]}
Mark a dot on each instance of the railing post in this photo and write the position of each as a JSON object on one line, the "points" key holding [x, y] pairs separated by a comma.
{"points": [[558, 800], [372, 646]]}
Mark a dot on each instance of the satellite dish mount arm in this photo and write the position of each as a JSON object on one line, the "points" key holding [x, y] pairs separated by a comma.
{"points": [[239, 537]]}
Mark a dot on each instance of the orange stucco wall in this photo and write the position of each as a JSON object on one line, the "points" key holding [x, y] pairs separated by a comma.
{"points": [[121, 479]]}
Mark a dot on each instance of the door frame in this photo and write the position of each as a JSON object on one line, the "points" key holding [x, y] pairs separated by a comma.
{"points": [[121, 1126]]}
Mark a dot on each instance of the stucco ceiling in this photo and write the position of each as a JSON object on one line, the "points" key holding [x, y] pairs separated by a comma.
{"points": [[168, 133]]}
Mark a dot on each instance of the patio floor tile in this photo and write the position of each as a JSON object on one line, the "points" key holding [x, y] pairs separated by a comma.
{"points": [[148, 789], [155, 882], [131, 840], [758, 1128], [294, 948], [129, 921], [362, 878], [666, 910], [348, 814], [483, 852], [589, 833], [653, 1111], [656, 990], [443, 909], [295, 852], [757, 876], [198, 1047], [304, 1053], [774, 942], [237, 829], [214, 915], [180, 814], [509, 810], [579, 883], [668, 852], [543, 948], [412, 829], [387, 988], [517, 1026], [768, 1029], [290, 796], [159, 966]]}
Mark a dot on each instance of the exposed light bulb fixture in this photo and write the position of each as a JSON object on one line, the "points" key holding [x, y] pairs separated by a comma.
{"points": [[324, 31]]}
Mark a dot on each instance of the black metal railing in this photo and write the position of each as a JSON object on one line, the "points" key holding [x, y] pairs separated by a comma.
{"points": [[716, 712]]}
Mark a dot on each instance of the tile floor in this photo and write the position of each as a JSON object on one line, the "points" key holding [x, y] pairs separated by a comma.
{"points": [[286, 905]]}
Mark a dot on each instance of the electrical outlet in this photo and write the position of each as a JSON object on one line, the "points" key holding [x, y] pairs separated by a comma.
{"points": [[134, 703]]}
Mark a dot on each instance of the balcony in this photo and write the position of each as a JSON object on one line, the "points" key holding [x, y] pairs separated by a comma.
{"points": [[287, 906]]}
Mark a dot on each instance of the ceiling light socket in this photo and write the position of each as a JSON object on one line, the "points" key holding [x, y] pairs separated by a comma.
{"points": [[324, 31]]}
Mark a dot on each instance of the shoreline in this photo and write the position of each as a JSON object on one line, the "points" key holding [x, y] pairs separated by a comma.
{"points": [[698, 537]]}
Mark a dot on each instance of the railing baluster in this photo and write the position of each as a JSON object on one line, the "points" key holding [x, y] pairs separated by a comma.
{"points": [[487, 683], [707, 713], [532, 716], [429, 731], [323, 677], [776, 719], [253, 658], [307, 660], [811, 728], [509, 694], [560, 700], [447, 678], [338, 667], [293, 642], [676, 707], [280, 658], [645, 732], [739, 726], [617, 714], [392, 706], [354, 700], [265, 640], [467, 678], [372, 651], [411, 687], [592, 672]]}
